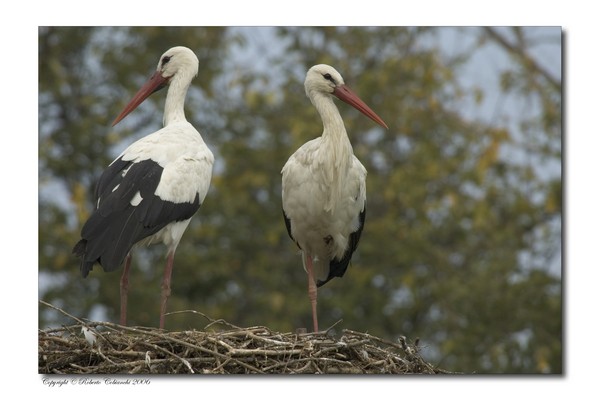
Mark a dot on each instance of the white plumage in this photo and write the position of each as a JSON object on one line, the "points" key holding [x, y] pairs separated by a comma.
{"points": [[324, 186], [154, 187]]}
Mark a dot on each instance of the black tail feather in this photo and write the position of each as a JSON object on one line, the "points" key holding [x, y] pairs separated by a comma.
{"points": [[79, 250]]}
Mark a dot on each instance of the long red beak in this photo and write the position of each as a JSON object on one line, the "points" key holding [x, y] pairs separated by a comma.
{"points": [[155, 83], [345, 94]]}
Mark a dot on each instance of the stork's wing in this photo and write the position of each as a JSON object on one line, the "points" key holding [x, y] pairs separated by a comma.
{"points": [[338, 267], [128, 210], [288, 225]]}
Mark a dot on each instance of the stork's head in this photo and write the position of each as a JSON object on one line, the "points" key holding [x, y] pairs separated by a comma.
{"points": [[178, 65], [179, 61], [323, 79]]}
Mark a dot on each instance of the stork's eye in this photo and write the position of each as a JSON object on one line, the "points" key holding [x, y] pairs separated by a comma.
{"points": [[165, 60], [328, 77]]}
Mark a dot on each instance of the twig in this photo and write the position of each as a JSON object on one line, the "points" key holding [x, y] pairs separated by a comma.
{"points": [[212, 321], [239, 350], [63, 312], [332, 326]]}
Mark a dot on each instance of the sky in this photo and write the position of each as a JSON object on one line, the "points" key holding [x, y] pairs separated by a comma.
{"points": [[19, 175]]}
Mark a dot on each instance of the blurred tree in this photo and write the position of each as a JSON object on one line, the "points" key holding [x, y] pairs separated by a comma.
{"points": [[459, 236]]}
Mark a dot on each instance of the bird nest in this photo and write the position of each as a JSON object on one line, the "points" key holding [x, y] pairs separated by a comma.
{"points": [[108, 348]]}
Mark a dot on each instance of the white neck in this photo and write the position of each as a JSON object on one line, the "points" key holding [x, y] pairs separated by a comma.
{"points": [[334, 131], [175, 100], [332, 120], [335, 151]]}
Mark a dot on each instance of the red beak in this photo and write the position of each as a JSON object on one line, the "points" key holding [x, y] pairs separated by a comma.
{"points": [[345, 94], [155, 83]]}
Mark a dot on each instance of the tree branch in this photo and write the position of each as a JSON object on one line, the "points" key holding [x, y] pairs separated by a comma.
{"points": [[525, 59]]}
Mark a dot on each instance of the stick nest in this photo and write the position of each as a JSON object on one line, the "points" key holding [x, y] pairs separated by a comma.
{"points": [[115, 349]]}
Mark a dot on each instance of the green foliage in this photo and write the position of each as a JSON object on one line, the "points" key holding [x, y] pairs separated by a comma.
{"points": [[458, 238]]}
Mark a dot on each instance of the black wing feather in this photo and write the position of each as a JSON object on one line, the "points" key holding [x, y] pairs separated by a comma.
{"points": [[116, 225], [288, 225], [337, 268]]}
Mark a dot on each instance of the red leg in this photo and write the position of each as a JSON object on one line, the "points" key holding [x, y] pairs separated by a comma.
{"points": [[312, 291], [125, 290], [166, 288]]}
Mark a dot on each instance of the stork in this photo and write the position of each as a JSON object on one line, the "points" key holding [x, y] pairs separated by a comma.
{"points": [[324, 186], [150, 192]]}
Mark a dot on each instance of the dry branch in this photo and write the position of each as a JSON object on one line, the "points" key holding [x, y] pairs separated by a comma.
{"points": [[255, 350]]}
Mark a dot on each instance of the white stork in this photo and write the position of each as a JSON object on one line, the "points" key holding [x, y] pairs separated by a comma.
{"points": [[324, 186], [151, 191]]}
